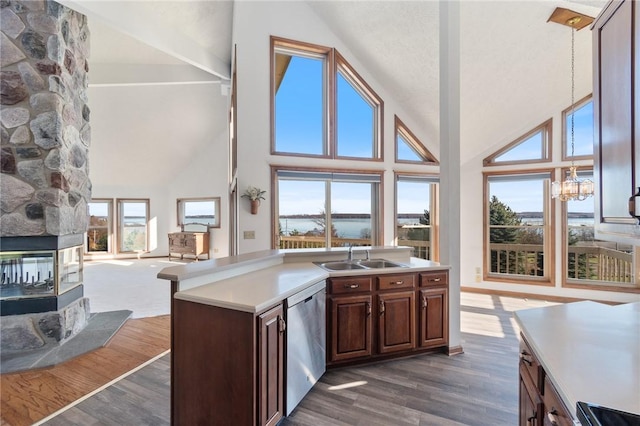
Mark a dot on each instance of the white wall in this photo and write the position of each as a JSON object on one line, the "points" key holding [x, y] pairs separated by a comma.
{"points": [[161, 142]]}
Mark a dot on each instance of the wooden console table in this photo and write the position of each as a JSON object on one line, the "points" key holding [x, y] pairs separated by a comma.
{"points": [[192, 243]]}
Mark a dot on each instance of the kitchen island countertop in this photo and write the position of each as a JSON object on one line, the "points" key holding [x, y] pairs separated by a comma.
{"points": [[590, 351]]}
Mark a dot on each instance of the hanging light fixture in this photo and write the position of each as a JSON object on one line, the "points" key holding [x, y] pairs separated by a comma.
{"points": [[572, 188]]}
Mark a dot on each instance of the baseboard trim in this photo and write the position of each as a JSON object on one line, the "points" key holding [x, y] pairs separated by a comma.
{"points": [[454, 350]]}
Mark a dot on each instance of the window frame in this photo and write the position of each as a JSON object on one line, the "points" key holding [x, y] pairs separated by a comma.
{"points": [[547, 147], [548, 277], [400, 129], [119, 218], [180, 202], [110, 226], [334, 63], [377, 216], [434, 216], [565, 148]]}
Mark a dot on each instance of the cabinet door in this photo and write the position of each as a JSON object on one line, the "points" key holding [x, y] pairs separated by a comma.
{"points": [[271, 362], [350, 327], [616, 170], [396, 321], [434, 318], [530, 407]]}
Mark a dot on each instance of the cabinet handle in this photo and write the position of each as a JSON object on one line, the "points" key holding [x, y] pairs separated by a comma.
{"points": [[436, 280], [424, 302], [368, 308], [381, 307], [351, 285], [552, 417], [396, 282], [283, 325], [632, 204], [523, 358]]}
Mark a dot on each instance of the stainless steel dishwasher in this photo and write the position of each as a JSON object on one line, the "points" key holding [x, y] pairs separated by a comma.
{"points": [[306, 342]]}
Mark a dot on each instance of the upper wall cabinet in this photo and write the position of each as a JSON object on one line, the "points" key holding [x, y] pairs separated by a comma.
{"points": [[616, 94]]}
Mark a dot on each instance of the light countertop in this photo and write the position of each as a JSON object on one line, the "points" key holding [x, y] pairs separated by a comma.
{"points": [[590, 351], [256, 291]]}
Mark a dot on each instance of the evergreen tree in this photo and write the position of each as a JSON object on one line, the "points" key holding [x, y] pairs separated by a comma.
{"points": [[501, 214]]}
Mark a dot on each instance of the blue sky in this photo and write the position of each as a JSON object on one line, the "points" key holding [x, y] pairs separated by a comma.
{"points": [[299, 128]]}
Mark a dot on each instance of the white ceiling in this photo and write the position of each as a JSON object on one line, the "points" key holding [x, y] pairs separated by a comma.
{"points": [[510, 55]]}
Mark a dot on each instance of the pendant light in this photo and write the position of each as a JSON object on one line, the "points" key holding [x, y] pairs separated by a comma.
{"points": [[572, 188]]}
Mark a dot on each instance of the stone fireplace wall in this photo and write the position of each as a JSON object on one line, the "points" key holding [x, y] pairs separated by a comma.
{"points": [[44, 184]]}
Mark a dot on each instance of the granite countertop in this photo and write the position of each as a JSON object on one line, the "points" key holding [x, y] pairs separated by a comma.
{"points": [[590, 351]]}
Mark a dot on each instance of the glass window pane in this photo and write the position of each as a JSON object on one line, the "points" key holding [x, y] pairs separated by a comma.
{"points": [[517, 226], [413, 216], [355, 121], [531, 148], [351, 221], [133, 226], [99, 230], [200, 212], [583, 130], [299, 104], [405, 151], [301, 205], [592, 261]]}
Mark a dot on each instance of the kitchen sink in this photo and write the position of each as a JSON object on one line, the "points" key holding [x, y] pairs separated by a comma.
{"points": [[380, 263], [340, 266], [345, 265]]}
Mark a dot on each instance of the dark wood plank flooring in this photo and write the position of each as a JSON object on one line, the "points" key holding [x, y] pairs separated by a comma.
{"points": [[478, 387]]}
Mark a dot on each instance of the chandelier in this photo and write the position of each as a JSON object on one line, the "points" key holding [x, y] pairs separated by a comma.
{"points": [[572, 188]]}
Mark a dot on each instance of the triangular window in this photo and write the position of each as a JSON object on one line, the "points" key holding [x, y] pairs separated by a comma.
{"points": [[409, 149], [532, 147]]}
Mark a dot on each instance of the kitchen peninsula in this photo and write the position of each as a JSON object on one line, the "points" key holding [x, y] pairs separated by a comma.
{"points": [[230, 330], [578, 352]]}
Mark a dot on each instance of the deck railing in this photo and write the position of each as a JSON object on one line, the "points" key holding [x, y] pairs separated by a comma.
{"points": [[584, 262], [420, 248]]}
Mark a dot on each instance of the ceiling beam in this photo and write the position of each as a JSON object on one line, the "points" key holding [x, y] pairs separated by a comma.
{"points": [[147, 74], [130, 18]]}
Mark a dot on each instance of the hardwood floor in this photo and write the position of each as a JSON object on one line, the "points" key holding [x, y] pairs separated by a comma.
{"points": [[31, 396], [478, 387]]}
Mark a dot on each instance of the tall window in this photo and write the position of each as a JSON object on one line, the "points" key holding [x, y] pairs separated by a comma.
{"points": [[320, 105], [327, 209], [299, 101], [517, 216], [416, 214], [591, 262], [133, 220], [100, 226]]}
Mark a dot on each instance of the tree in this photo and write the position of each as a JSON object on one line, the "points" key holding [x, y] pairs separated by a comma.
{"points": [[322, 223], [501, 214]]}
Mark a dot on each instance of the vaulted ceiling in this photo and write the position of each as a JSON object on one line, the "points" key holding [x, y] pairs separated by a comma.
{"points": [[511, 58]]}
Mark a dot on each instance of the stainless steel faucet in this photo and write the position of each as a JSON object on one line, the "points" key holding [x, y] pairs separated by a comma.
{"points": [[350, 253]]}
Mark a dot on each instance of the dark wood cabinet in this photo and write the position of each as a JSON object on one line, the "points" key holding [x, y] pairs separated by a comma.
{"points": [[433, 300], [540, 403], [226, 365], [396, 313], [271, 329], [616, 95], [396, 321], [191, 243], [350, 329], [530, 378]]}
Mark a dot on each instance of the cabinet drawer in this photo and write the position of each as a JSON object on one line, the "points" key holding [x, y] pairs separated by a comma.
{"points": [[350, 285], [434, 278], [388, 282], [556, 412], [531, 364]]}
